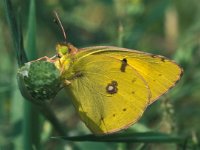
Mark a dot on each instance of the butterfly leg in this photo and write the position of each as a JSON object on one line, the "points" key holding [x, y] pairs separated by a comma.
{"points": [[46, 59], [67, 82]]}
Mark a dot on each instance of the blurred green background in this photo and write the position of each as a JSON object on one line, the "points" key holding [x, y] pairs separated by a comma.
{"points": [[164, 27]]}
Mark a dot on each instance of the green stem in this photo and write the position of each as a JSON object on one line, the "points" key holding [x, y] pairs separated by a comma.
{"points": [[49, 114], [31, 126], [31, 111], [32, 121]]}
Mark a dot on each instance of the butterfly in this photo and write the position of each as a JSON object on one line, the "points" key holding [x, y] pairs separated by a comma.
{"points": [[111, 87]]}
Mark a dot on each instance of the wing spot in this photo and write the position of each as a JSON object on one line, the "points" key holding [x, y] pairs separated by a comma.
{"points": [[114, 115], [134, 79], [124, 64], [154, 80], [114, 83], [124, 109], [162, 59], [159, 74], [133, 92], [111, 88], [153, 56]]}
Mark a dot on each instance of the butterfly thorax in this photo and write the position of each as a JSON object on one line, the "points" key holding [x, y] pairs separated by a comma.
{"points": [[65, 54]]}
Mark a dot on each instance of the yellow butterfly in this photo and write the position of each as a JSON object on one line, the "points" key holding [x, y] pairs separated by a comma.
{"points": [[111, 87]]}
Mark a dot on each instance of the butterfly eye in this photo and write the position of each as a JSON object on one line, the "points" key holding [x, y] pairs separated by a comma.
{"points": [[62, 49]]}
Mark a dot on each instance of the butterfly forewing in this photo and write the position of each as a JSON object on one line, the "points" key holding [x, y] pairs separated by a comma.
{"points": [[159, 72]]}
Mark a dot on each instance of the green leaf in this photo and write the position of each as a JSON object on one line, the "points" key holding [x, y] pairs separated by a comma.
{"points": [[16, 33], [146, 137], [31, 33]]}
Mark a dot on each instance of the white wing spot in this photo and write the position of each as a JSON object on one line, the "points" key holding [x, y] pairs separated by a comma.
{"points": [[111, 88]]}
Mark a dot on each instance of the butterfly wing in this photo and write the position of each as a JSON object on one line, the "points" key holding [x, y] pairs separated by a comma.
{"points": [[160, 73], [106, 98]]}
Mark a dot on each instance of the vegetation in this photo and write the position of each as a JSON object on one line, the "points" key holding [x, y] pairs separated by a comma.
{"points": [[164, 27]]}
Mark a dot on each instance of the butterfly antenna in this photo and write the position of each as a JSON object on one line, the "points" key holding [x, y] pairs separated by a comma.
{"points": [[59, 23]]}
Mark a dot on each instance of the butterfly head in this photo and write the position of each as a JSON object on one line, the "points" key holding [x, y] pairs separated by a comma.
{"points": [[62, 50], [65, 49]]}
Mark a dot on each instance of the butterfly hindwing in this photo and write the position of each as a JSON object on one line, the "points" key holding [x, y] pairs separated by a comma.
{"points": [[109, 94]]}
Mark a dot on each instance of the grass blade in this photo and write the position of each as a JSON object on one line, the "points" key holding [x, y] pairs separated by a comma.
{"points": [[31, 112], [146, 137], [15, 33]]}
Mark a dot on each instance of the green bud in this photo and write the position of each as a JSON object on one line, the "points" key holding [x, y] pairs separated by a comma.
{"points": [[39, 81]]}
